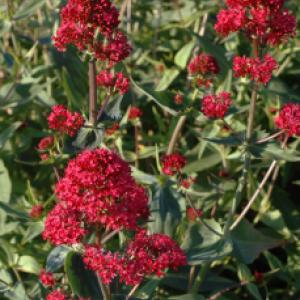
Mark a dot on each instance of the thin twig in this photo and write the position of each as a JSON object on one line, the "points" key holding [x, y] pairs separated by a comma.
{"points": [[228, 289], [176, 134], [92, 93], [103, 107], [109, 236], [270, 137], [131, 293]]}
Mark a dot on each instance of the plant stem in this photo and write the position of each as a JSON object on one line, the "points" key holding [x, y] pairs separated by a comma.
{"points": [[247, 157], [131, 293], [92, 93], [200, 277], [103, 106], [176, 134]]}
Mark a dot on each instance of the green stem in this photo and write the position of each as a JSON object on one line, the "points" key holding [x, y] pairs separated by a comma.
{"points": [[200, 277]]}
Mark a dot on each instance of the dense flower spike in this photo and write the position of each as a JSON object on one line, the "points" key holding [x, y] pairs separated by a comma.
{"points": [[56, 295], [36, 211], [258, 70], [47, 278], [63, 226], [150, 255], [265, 20], [115, 82], [99, 187], [134, 113], [216, 106], [111, 130], [173, 163], [105, 263], [64, 121], [289, 119]]}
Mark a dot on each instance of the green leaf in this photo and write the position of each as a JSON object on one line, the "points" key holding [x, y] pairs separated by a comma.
{"points": [[244, 274], [203, 164], [13, 212], [113, 110], [56, 258], [205, 244], [169, 76], [7, 133], [147, 290], [183, 55], [89, 138], [5, 184], [34, 229], [17, 292], [187, 297], [165, 209], [163, 99], [28, 264], [83, 282], [274, 151], [248, 243], [228, 141], [28, 8]]}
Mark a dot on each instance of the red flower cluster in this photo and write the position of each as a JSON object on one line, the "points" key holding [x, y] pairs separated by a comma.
{"points": [[63, 226], [56, 295], [193, 214], [92, 25], [173, 163], [289, 119], [44, 146], [258, 70], [105, 263], [148, 255], [97, 189], [134, 113], [116, 82], [111, 130], [47, 278], [204, 67], [36, 211], [64, 121], [178, 99], [265, 20], [216, 106], [145, 255]]}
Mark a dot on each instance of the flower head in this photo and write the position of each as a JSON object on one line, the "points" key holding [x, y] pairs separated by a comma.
{"points": [[47, 278], [289, 119], [119, 83], [36, 211], [258, 70], [216, 106], [64, 121], [173, 163], [56, 295], [150, 255], [134, 113]]}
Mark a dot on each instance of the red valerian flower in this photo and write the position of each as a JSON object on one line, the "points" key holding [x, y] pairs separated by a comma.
{"points": [[64, 121], [118, 81], [203, 64], [150, 255], [259, 277], [105, 263], [193, 214], [36, 211], [111, 130], [178, 99], [203, 67], [173, 163], [134, 113], [258, 70], [99, 187], [47, 278], [56, 295], [289, 119], [63, 226], [46, 143], [216, 106], [265, 20]]}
